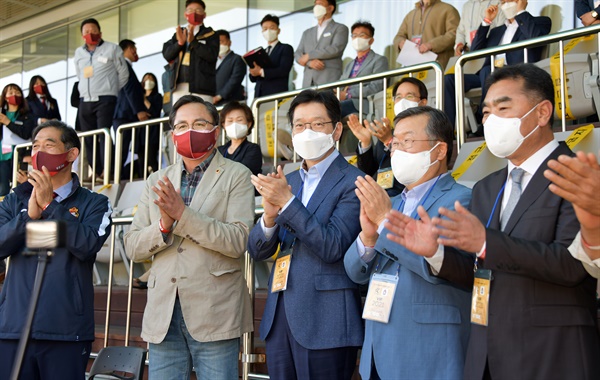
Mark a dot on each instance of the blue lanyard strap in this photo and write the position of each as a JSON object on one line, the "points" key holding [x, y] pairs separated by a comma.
{"points": [[383, 158], [285, 231]]}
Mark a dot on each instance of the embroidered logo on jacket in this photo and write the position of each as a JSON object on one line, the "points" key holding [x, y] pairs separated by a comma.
{"points": [[74, 211]]}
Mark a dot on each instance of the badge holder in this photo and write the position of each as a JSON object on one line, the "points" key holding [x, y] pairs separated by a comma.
{"points": [[380, 297], [282, 269], [480, 300], [385, 178]]}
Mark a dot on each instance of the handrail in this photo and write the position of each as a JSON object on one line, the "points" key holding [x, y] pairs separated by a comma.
{"points": [[439, 91], [531, 43]]}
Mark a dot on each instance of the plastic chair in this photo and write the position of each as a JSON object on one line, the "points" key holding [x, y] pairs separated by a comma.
{"points": [[120, 361]]}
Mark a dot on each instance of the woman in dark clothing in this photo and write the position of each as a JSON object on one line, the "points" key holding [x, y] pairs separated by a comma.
{"points": [[17, 125], [153, 102], [42, 105]]}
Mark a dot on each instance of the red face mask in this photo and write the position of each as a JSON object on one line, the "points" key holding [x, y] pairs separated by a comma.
{"points": [[53, 162], [39, 89], [92, 39], [194, 18], [195, 144], [14, 100]]}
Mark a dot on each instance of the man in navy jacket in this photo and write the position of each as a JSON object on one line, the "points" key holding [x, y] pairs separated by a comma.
{"points": [[63, 326]]}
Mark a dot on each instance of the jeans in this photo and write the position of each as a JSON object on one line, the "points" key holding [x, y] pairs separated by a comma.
{"points": [[174, 356]]}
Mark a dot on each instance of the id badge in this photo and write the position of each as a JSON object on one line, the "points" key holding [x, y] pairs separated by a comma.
{"points": [[282, 271], [481, 297], [186, 59], [167, 97], [385, 178], [88, 72], [380, 297], [417, 39], [499, 62]]}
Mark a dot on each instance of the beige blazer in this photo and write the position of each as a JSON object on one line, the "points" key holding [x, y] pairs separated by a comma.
{"points": [[202, 260]]}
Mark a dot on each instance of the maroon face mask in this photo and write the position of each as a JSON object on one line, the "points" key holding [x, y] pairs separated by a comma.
{"points": [[92, 39], [194, 18], [195, 144], [39, 89], [53, 162], [14, 100]]}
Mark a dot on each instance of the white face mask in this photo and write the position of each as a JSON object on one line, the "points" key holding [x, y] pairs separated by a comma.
{"points": [[312, 145], [408, 168], [503, 134], [223, 49], [403, 105], [270, 35], [149, 85], [360, 44], [509, 10], [236, 131], [319, 11]]}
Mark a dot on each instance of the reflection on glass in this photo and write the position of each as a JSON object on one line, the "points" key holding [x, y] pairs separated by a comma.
{"points": [[46, 55], [11, 64]]}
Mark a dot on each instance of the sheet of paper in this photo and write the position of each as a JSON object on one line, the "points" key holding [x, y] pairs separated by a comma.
{"points": [[9, 138], [409, 55]]}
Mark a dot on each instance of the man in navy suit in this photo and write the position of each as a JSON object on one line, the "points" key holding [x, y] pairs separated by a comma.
{"points": [[540, 317], [130, 102], [231, 71], [587, 11], [429, 317], [311, 323], [520, 25], [275, 78]]}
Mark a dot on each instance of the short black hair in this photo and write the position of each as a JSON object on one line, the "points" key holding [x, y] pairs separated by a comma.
{"points": [[233, 106], [271, 18], [223, 32], [90, 21], [363, 24], [422, 88], [126, 44], [537, 83], [332, 2], [187, 99], [326, 98], [438, 127], [188, 2], [68, 135]]}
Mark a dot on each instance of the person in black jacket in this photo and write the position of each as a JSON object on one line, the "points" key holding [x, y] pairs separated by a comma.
{"points": [[42, 105], [63, 326], [153, 102], [194, 50], [17, 125]]}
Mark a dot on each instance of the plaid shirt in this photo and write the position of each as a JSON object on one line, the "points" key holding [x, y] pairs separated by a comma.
{"points": [[189, 181]]}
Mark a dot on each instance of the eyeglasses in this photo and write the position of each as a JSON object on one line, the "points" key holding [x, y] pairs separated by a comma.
{"points": [[199, 125], [406, 143], [317, 126], [410, 97], [361, 35]]}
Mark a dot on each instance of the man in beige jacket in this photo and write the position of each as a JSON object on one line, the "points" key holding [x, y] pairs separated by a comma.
{"points": [[194, 218]]}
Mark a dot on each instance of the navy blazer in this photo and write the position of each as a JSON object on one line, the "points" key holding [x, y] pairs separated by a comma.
{"points": [[429, 319], [322, 305], [584, 6], [130, 100], [542, 304], [277, 76], [230, 74], [39, 111], [529, 27]]}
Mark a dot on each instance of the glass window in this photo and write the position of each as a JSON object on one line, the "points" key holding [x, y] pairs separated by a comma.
{"points": [[11, 64], [149, 24], [46, 55]]}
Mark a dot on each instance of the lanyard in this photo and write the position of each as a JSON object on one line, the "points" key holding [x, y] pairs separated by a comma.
{"points": [[423, 22], [383, 158], [487, 225], [285, 231], [415, 213]]}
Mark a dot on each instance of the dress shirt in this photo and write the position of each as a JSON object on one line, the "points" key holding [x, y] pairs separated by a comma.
{"points": [[358, 61], [321, 28], [63, 191], [220, 59], [272, 45], [577, 251]]}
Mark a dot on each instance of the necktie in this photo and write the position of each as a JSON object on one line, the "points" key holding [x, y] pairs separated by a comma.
{"points": [[515, 193], [269, 49], [43, 99]]}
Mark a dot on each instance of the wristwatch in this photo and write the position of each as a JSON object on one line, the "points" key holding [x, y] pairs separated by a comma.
{"points": [[594, 14]]}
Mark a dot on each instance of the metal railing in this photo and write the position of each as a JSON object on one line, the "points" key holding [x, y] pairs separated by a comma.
{"points": [[528, 44], [385, 76]]}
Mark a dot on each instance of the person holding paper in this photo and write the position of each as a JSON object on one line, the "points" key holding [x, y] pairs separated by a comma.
{"points": [[17, 125], [432, 27], [402, 339]]}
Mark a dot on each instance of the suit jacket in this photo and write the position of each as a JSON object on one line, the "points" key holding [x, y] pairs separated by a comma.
{"points": [[277, 76], [230, 74], [373, 64], [322, 304], [329, 49], [529, 27], [584, 6], [202, 261], [376, 158], [542, 304], [40, 111], [131, 99], [429, 319]]}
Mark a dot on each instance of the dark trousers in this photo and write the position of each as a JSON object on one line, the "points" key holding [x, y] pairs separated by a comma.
{"points": [[126, 141], [153, 148], [46, 359], [288, 360], [471, 81], [94, 116], [5, 176]]}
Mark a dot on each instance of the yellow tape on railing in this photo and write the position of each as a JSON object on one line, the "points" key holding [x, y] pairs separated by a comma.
{"points": [[270, 127], [458, 172], [353, 160], [107, 186], [555, 72], [577, 135], [389, 103]]}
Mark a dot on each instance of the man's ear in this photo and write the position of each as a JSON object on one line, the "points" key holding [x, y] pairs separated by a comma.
{"points": [[72, 154], [442, 151], [544, 112], [337, 132]]}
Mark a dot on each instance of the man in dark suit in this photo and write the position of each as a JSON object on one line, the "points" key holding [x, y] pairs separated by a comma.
{"points": [[520, 25], [231, 71], [130, 102], [312, 322], [540, 318], [587, 11], [275, 78]]}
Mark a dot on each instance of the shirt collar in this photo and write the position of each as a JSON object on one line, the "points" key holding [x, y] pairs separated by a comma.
{"points": [[64, 191], [419, 191], [533, 163], [272, 44], [201, 167], [325, 23], [321, 167]]}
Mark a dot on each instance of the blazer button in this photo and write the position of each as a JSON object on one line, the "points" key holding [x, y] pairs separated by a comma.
{"points": [[173, 280]]}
